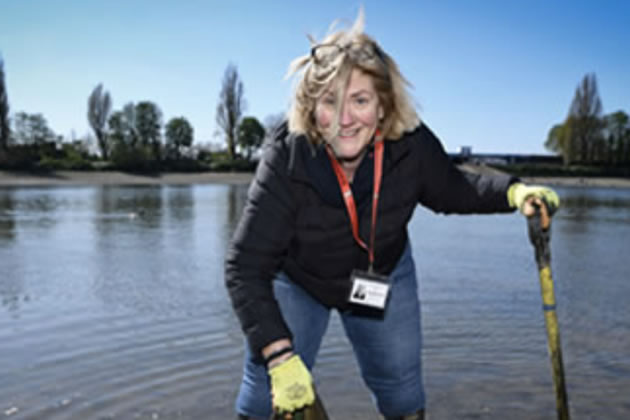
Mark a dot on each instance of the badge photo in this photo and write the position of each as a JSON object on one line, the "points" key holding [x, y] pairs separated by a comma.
{"points": [[369, 289]]}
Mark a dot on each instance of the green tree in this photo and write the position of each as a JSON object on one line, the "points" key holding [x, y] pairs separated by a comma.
{"points": [[148, 123], [116, 127], [136, 136], [5, 127], [124, 139], [556, 138], [559, 141], [122, 126], [179, 134], [22, 128], [230, 108], [250, 135], [617, 129], [99, 108], [32, 129]]}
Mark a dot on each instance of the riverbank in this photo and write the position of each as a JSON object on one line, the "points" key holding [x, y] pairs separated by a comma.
{"points": [[89, 178]]}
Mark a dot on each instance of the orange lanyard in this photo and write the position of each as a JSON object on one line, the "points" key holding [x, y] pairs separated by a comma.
{"points": [[349, 199]]}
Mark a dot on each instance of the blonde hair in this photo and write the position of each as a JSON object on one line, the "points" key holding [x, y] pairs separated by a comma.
{"points": [[313, 80]]}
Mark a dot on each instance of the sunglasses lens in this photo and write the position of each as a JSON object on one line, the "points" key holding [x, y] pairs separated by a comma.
{"points": [[361, 52], [324, 55]]}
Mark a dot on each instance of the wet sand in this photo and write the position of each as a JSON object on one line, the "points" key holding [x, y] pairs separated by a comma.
{"points": [[598, 182], [86, 178]]}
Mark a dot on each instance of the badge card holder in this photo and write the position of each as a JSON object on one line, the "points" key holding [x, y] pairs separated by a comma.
{"points": [[369, 293]]}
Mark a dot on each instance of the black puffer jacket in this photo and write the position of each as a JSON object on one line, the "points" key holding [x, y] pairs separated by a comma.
{"points": [[295, 220]]}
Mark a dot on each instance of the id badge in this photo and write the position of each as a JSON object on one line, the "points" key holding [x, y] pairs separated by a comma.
{"points": [[369, 290]]}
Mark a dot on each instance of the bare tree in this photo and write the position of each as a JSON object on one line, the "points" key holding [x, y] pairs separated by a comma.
{"points": [[5, 128], [230, 108], [99, 107], [585, 119]]}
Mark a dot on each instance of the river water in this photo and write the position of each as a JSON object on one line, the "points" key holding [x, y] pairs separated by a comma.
{"points": [[113, 307]]}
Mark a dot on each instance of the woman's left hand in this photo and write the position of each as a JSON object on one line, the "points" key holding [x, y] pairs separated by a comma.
{"points": [[524, 197]]}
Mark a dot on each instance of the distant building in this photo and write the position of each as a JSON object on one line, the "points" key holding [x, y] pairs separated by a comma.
{"points": [[465, 155], [465, 152]]}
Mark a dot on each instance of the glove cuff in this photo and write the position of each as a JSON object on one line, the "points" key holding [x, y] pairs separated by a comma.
{"points": [[278, 353], [512, 193]]}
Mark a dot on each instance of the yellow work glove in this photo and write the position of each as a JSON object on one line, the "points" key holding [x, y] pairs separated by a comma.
{"points": [[518, 193], [291, 385]]}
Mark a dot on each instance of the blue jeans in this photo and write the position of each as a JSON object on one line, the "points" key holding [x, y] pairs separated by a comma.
{"points": [[387, 349]]}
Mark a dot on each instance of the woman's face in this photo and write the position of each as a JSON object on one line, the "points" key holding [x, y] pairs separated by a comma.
{"points": [[359, 115]]}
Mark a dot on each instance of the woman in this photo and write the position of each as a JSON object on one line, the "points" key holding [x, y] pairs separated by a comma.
{"points": [[325, 227]]}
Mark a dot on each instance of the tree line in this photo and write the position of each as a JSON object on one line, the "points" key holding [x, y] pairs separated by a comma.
{"points": [[586, 136], [133, 137]]}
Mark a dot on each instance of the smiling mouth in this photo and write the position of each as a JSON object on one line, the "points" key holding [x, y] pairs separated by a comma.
{"points": [[348, 134]]}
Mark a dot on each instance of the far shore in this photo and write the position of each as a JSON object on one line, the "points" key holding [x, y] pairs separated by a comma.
{"points": [[97, 178]]}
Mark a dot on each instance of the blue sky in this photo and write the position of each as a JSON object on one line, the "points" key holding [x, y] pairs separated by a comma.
{"points": [[495, 75]]}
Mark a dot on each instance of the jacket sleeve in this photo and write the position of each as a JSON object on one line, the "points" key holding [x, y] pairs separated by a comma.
{"points": [[446, 189], [258, 247]]}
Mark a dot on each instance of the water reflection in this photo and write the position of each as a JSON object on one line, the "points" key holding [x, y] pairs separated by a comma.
{"points": [[180, 204], [126, 302], [129, 223], [237, 197], [582, 200], [12, 292], [583, 203], [38, 208], [113, 204], [7, 212]]}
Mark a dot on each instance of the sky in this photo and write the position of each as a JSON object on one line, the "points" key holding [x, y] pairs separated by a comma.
{"points": [[494, 75]]}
